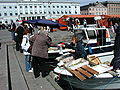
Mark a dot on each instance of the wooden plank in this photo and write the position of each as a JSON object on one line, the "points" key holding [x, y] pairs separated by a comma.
{"points": [[85, 72], [78, 75], [18, 81], [89, 69], [4, 80]]}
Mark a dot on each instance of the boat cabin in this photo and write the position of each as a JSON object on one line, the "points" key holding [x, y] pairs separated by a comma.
{"points": [[95, 38]]}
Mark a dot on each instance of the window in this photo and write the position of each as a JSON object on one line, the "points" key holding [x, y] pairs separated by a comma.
{"points": [[21, 13], [35, 6], [53, 12], [49, 12], [69, 6], [53, 6], [15, 6], [44, 12], [11, 14], [30, 6], [40, 6], [26, 12], [31, 12], [35, 12], [20, 6], [69, 12], [65, 6], [57, 6], [4, 7], [91, 34], [5, 14], [57, 12], [10, 7], [16, 13], [61, 12], [48, 6], [81, 33], [0, 14], [40, 12], [61, 6], [25, 6], [44, 6]]}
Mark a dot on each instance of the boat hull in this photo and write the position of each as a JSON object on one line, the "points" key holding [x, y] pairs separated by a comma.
{"points": [[94, 83]]}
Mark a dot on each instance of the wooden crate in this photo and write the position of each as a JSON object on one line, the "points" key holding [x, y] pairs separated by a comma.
{"points": [[94, 60], [83, 72]]}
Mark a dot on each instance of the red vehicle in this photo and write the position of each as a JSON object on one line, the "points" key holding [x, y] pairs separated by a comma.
{"points": [[106, 20]]}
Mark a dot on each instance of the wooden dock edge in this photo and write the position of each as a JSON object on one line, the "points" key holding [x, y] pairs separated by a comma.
{"points": [[4, 70]]}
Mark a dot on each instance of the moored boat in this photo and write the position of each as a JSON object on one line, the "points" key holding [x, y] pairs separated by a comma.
{"points": [[99, 42]]}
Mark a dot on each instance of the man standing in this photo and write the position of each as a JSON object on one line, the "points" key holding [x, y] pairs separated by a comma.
{"points": [[19, 36], [12, 29], [40, 45], [116, 60]]}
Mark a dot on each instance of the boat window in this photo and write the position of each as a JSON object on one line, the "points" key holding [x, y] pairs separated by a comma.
{"points": [[81, 34], [91, 34], [101, 36]]}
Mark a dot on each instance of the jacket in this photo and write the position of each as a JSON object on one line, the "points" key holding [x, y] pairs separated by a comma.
{"points": [[25, 44], [79, 50], [40, 45]]}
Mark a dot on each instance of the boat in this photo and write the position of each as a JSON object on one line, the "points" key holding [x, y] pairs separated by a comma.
{"points": [[68, 72], [105, 79], [96, 39]]}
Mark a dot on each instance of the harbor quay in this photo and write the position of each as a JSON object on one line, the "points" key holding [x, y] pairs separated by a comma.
{"points": [[13, 75]]}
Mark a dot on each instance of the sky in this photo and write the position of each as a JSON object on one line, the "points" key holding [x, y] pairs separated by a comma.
{"points": [[85, 2]]}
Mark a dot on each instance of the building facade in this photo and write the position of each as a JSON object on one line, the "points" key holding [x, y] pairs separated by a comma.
{"points": [[94, 9], [113, 7], [36, 9]]}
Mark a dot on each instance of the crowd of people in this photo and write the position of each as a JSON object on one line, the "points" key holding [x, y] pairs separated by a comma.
{"points": [[35, 47], [75, 23]]}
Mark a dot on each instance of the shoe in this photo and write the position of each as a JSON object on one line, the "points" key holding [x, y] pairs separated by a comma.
{"points": [[36, 76], [44, 74], [21, 51], [30, 70]]}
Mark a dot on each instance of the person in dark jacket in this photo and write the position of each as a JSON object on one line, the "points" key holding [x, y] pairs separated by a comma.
{"points": [[116, 60], [40, 45], [12, 29], [78, 50], [19, 36]]}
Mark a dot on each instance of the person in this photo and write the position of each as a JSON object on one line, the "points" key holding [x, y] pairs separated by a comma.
{"points": [[71, 23], [25, 45], [31, 28], [116, 60], [85, 23], [19, 36], [12, 29], [78, 50], [40, 45], [115, 27], [77, 22]]}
